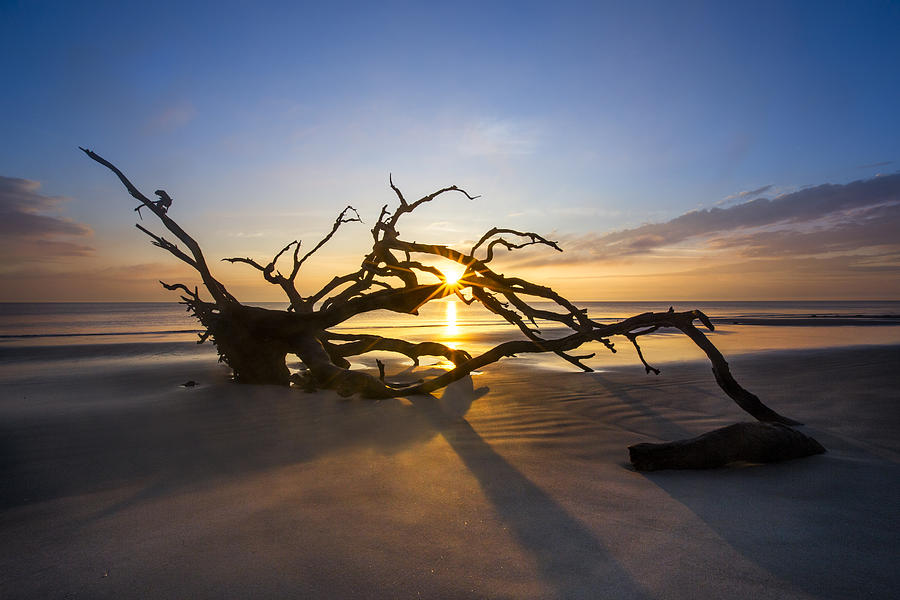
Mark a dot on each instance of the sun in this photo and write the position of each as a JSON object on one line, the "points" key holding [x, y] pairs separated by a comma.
{"points": [[452, 273]]}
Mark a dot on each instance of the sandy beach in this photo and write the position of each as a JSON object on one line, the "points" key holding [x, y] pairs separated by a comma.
{"points": [[512, 484], [243, 245]]}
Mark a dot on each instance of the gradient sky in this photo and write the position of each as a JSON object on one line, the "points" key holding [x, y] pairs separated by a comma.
{"points": [[676, 150]]}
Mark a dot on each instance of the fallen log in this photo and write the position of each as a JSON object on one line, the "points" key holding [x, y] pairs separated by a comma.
{"points": [[755, 442], [400, 276]]}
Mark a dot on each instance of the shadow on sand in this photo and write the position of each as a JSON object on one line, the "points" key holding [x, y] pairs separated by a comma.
{"points": [[823, 524], [570, 558], [190, 438]]}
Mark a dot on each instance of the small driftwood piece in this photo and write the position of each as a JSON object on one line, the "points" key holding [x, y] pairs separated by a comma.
{"points": [[747, 442]]}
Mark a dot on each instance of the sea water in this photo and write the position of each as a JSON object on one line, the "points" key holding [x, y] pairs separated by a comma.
{"points": [[60, 335]]}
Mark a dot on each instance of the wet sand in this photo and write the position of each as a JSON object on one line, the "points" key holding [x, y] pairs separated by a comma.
{"points": [[118, 482]]}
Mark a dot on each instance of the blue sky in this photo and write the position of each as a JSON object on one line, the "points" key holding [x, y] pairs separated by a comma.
{"points": [[577, 119]]}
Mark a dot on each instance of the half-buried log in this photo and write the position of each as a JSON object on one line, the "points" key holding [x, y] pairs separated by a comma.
{"points": [[741, 442]]}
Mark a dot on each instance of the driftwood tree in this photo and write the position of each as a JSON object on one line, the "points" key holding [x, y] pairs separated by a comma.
{"points": [[255, 341]]}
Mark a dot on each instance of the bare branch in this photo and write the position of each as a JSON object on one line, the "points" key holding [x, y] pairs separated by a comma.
{"points": [[216, 289], [341, 219], [632, 337], [533, 239], [466, 301], [396, 190], [128, 185], [180, 286], [408, 208], [169, 246], [360, 344], [247, 261]]}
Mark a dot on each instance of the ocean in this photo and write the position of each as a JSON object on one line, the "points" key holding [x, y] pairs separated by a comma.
{"points": [[35, 336]]}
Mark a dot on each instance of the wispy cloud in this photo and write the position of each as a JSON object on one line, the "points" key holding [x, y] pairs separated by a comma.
{"points": [[31, 227], [443, 226], [245, 234], [498, 137], [745, 195], [859, 219], [172, 117], [877, 164], [863, 231], [841, 202]]}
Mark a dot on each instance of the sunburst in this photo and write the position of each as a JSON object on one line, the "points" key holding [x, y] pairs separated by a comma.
{"points": [[452, 273]]}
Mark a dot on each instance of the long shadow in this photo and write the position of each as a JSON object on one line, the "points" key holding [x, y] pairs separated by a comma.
{"points": [[193, 439], [574, 562], [826, 524], [663, 427]]}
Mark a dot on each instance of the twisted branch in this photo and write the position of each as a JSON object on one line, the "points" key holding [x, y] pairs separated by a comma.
{"points": [[216, 289]]}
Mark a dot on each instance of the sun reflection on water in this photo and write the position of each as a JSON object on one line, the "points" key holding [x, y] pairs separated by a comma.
{"points": [[451, 329]]}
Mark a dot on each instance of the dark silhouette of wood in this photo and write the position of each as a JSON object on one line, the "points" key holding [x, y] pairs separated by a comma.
{"points": [[741, 442], [255, 341]]}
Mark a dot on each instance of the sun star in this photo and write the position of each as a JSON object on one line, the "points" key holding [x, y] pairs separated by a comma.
{"points": [[452, 273]]}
